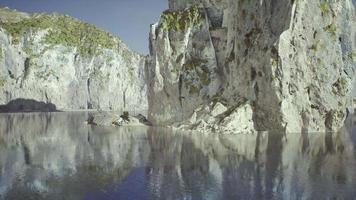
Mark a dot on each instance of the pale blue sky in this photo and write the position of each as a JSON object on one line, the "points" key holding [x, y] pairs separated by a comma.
{"points": [[129, 19]]}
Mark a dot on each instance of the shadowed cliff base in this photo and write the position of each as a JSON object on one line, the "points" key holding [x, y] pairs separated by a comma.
{"points": [[27, 105]]}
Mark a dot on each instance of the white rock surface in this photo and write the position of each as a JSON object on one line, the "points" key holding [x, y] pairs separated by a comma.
{"points": [[221, 119], [294, 60], [183, 70], [32, 68]]}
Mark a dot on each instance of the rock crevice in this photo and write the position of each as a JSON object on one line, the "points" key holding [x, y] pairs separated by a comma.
{"points": [[288, 58]]}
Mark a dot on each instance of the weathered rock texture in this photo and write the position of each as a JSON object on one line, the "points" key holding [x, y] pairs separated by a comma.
{"points": [[183, 72], [293, 60], [73, 65], [112, 119]]}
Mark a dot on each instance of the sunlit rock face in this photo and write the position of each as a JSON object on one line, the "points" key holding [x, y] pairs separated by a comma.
{"points": [[293, 59], [57, 156], [58, 59], [183, 71]]}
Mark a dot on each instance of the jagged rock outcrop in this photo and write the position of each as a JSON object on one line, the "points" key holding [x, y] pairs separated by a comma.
{"points": [[218, 118], [293, 60], [57, 59], [183, 70]]}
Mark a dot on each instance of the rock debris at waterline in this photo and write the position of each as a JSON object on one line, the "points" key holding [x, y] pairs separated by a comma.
{"points": [[292, 60]]}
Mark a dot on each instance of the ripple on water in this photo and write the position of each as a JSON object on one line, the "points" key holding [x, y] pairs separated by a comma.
{"points": [[57, 156]]}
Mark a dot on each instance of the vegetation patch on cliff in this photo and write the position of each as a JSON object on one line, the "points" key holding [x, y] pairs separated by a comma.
{"points": [[1, 53], [181, 20], [2, 82], [9, 15], [46, 75], [196, 75], [64, 30]]}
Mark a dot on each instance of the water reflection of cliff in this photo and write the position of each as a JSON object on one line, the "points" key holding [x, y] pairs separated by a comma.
{"points": [[56, 156]]}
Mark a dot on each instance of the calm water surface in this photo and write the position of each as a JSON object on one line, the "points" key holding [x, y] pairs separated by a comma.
{"points": [[56, 156]]}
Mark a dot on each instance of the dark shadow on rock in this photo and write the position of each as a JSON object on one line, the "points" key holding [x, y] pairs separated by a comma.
{"points": [[27, 105]]}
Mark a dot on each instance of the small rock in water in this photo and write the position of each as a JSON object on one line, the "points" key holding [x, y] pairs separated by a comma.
{"points": [[110, 119]]}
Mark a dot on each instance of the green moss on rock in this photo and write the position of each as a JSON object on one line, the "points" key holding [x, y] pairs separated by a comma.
{"points": [[339, 87], [196, 75], [127, 55], [1, 53], [2, 82], [274, 63], [194, 89], [193, 64], [324, 8], [45, 75], [8, 15], [64, 30], [131, 74], [181, 20], [352, 56], [331, 29]]}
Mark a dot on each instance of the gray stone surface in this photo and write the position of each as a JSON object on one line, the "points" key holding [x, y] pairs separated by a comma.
{"points": [[183, 71], [96, 73], [293, 60], [116, 120]]}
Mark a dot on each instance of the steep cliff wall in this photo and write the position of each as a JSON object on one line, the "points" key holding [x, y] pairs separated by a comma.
{"points": [[291, 61], [183, 70], [58, 59], [278, 65]]}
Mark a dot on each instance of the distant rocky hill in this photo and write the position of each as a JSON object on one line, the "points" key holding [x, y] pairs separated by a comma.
{"points": [[57, 59]]}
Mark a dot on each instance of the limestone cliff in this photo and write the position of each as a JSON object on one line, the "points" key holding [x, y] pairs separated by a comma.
{"points": [[292, 62], [57, 59], [214, 65]]}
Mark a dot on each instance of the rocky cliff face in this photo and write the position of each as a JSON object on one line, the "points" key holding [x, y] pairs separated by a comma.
{"points": [[184, 71], [291, 62], [214, 65], [60, 60]]}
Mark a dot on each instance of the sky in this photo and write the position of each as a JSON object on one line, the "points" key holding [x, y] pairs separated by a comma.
{"points": [[128, 19]]}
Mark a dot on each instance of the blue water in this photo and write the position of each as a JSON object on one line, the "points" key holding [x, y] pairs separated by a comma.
{"points": [[57, 156]]}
